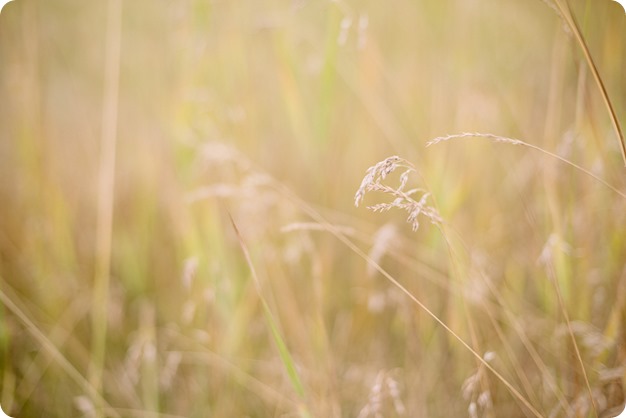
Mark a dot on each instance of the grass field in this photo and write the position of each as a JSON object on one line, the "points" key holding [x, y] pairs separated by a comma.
{"points": [[178, 228]]}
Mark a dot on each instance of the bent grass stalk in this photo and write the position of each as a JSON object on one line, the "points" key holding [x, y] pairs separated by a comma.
{"points": [[543, 368], [569, 17], [315, 215], [47, 345], [444, 285], [283, 350], [404, 290], [512, 141], [59, 335]]}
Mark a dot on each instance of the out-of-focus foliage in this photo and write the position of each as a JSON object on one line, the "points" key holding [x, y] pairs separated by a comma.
{"points": [[270, 112]]}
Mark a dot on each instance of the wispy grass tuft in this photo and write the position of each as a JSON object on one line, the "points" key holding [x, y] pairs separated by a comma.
{"points": [[403, 199]]}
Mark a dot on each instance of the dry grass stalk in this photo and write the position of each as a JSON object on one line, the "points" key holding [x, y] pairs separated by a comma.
{"points": [[569, 17], [512, 141], [48, 346], [496, 138], [106, 186]]}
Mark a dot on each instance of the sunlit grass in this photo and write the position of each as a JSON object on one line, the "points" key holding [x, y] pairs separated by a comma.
{"points": [[239, 279]]}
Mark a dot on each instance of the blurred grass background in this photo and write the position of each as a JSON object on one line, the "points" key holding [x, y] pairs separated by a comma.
{"points": [[221, 107]]}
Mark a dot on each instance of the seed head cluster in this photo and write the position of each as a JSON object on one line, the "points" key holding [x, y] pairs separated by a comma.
{"points": [[402, 199]]}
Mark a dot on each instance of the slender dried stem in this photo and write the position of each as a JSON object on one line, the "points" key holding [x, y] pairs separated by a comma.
{"points": [[569, 17], [106, 180]]}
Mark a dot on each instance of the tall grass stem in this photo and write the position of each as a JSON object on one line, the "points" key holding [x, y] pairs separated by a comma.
{"points": [[106, 183]]}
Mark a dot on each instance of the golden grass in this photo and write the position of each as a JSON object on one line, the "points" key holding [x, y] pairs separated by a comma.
{"points": [[178, 236]]}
